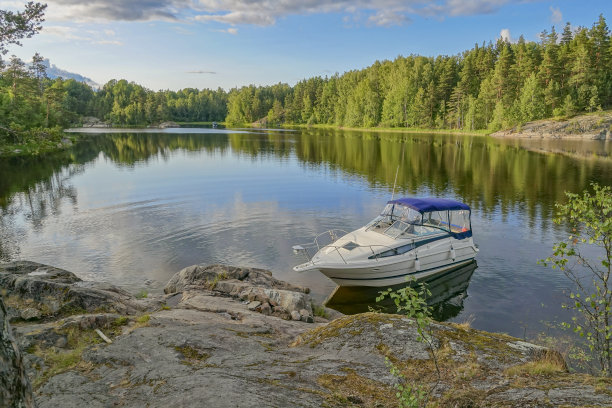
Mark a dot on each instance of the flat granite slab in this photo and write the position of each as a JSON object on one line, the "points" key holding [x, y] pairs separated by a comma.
{"points": [[209, 342]]}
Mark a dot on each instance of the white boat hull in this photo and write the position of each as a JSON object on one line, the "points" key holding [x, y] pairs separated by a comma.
{"points": [[389, 277], [434, 259]]}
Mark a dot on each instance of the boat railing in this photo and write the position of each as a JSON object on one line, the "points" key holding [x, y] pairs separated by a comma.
{"points": [[333, 235], [373, 248]]}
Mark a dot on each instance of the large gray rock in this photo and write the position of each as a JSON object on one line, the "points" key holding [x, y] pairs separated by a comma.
{"points": [[230, 356], [168, 124], [34, 290], [585, 127], [210, 275], [208, 348], [15, 390], [247, 284]]}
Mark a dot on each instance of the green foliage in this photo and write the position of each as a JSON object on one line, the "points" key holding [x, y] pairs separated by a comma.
{"points": [[412, 303], [121, 321], [142, 294], [318, 310], [21, 24], [408, 395], [491, 87], [590, 218], [143, 319], [34, 141]]}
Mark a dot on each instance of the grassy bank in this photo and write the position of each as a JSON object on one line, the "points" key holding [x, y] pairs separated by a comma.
{"points": [[481, 132]]}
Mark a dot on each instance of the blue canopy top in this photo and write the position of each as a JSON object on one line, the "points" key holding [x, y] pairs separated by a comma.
{"points": [[430, 204]]}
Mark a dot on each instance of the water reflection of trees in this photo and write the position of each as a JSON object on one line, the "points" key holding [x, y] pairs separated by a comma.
{"points": [[487, 173], [482, 171], [33, 205], [131, 148]]}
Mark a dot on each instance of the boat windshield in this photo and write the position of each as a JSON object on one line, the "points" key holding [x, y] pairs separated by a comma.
{"points": [[398, 221]]}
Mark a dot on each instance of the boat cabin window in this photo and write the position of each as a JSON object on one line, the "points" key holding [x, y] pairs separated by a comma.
{"points": [[436, 219], [392, 252], [397, 228], [460, 221]]}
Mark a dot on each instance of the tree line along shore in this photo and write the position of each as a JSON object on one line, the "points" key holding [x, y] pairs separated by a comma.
{"points": [[485, 89]]}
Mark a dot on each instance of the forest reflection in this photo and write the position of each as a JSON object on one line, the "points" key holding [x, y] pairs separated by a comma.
{"points": [[488, 174]]}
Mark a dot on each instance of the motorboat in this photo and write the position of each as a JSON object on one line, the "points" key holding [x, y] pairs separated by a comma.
{"points": [[412, 238]]}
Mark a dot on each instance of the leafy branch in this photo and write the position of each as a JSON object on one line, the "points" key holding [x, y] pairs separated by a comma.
{"points": [[411, 302], [590, 218]]}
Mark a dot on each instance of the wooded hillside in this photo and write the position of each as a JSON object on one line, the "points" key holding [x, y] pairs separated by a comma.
{"points": [[490, 86]]}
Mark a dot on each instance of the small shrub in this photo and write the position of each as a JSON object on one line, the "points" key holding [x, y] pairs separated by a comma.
{"points": [[142, 294], [143, 319], [218, 278], [411, 302], [121, 321], [590, 218], [544, 367], [318, 310], [408, 395], [466, 324]]}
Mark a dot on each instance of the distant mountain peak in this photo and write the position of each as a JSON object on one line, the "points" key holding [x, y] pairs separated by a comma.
{"points": [[54, 72]]}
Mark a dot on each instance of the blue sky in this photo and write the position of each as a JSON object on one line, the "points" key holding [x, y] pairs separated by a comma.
{"points": [[174, 44]]}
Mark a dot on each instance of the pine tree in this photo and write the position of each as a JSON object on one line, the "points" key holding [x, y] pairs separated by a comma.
{"points": [[531, 100], [602, 59], [582, 73], [569, 106], [503, 78], [567, 36]]}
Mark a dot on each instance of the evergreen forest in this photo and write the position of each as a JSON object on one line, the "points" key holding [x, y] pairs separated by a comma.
{"points": [[491, 86]]}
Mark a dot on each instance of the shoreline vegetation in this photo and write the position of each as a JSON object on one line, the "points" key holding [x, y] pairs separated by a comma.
{"points": [[485, 89], [591, 126]]}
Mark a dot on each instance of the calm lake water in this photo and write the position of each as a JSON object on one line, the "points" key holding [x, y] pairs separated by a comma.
{"points": [[134, 208]]}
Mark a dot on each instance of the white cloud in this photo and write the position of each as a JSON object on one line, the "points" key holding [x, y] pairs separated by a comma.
{"points": [[229, 30], [556, 16], [504, 34], [388, 18], [109, 42], [63, 32], [239, 17], [266, 12], [472, 7], [72, 34], [181, 30]]}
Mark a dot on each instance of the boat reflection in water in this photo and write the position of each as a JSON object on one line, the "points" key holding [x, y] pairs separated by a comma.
{"points": [[446, 301]]}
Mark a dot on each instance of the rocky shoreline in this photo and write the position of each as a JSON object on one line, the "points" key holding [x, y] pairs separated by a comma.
{"points": [[227, 336], [596, 126]]}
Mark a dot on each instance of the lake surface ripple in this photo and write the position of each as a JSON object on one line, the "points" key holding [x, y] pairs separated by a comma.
{"points": [[134, 208]]}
